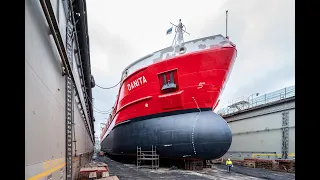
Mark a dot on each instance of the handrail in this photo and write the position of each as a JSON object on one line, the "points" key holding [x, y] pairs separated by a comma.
{"points": [[274, 96]]}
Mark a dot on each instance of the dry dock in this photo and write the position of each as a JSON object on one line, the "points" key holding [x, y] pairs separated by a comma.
{"points": [[218, 172]]}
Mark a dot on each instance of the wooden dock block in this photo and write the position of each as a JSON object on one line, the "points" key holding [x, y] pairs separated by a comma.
{"points": [[109, 178], [93, 171], [249, 164], [105, 174], [92, 175]]}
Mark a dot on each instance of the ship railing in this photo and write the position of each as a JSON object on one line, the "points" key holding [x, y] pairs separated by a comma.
{"points": [[245, 103]]}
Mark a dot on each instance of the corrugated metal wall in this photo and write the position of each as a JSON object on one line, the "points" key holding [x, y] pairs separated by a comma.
{"points": [[45, 92], [258, 133]]}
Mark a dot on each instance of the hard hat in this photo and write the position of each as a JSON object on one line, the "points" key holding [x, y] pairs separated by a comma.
{"points": [[228, 159]]}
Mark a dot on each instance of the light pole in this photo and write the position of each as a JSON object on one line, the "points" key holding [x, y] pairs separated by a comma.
{"points": [[254, 94]]}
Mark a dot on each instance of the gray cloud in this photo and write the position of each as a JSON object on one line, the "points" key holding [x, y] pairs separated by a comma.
{"points": [[264, 34]]}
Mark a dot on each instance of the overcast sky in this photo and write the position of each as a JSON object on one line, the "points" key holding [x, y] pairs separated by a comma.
{"points": [[122, 31]]}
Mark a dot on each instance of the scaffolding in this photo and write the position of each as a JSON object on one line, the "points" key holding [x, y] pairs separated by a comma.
{"points": [[143, 156]]}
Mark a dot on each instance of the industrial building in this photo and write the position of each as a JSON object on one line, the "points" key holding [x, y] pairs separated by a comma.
{"points": [[262, 127], [59, 132]]}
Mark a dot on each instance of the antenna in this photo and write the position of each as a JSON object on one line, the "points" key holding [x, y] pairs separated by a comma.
{"points": [[227, 24], [178, 27]]}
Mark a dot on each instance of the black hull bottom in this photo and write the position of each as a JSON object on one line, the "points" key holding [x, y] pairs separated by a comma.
{"points": [[195, 135]]}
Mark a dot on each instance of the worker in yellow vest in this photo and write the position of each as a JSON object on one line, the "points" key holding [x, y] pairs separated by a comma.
{"points": [[229, 164]]}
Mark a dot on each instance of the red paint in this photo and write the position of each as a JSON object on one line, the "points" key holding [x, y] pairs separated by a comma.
{"points": [[200, 74]]}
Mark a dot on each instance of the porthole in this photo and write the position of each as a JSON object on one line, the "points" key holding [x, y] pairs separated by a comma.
{"points": [[182, 50]]}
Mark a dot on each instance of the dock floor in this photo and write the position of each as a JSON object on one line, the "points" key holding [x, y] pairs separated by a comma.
{"points": [[218, 172]]}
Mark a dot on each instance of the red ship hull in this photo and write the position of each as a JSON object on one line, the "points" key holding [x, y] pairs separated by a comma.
{"points": [[180, 91]]}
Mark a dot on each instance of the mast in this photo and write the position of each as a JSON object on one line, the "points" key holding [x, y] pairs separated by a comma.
{"points": [[178, 38], [227, 24]]}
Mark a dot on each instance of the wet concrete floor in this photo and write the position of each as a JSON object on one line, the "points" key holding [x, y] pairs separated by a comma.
{"points": [[129, 171]]}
